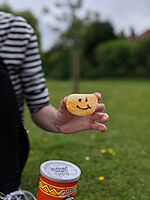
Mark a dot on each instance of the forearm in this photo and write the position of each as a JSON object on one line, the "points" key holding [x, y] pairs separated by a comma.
{"points": [[45, 118], [53, 120]]}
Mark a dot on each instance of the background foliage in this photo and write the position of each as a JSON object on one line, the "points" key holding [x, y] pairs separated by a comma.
{"points": [[102, 53]]}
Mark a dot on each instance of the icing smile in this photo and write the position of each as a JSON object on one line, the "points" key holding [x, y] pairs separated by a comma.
{"points": [[88, 107]]}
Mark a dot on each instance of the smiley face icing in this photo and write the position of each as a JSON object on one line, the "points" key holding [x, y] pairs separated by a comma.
{"points": [[81, 104]]}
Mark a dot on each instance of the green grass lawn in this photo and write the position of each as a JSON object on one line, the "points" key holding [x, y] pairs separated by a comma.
{"points": [[127, 175]]}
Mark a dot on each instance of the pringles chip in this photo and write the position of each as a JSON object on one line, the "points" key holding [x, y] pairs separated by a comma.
{"points": [[81, 104]]}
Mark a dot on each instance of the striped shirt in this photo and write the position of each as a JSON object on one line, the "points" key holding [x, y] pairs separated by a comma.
{"points": [[20, 53]]}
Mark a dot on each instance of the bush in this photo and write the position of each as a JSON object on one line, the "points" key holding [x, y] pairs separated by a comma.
{"points": [[142, 58], [56, 63], [114, 59]]}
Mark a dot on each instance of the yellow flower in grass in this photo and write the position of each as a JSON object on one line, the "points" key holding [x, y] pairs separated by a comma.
{"points": [[103, 151], [112, 152], [108, 151], [101, 178]]}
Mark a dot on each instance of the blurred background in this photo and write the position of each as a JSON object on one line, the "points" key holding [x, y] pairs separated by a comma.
{"points": [[84, 39], [88, 46]]}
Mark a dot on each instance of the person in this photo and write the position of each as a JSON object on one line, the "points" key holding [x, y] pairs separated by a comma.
{"points": [[22, 81]]}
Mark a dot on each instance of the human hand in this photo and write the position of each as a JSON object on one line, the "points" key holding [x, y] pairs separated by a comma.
{"points": [[69, 123]]}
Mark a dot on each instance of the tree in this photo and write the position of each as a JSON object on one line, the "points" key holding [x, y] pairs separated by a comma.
{"points": [[71, 37], [81, 35], [6, 8], [28, 15], [98, 32], [33, 21], [58, 60]]}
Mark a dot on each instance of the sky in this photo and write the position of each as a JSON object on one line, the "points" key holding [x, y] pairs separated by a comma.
{"points": [[122, 14]]}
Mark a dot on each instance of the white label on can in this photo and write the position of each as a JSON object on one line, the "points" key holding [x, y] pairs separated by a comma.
{"points": [[60, 170]]}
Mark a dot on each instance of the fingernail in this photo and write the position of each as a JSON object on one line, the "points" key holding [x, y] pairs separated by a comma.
{"points": [[105, 118], [103, 129]]}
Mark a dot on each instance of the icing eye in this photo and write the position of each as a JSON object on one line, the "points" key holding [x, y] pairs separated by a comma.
{"points": [[79, 99], [86, 99]]}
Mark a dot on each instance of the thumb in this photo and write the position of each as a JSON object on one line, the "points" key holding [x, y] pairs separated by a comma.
{"points": [[62, 106]]}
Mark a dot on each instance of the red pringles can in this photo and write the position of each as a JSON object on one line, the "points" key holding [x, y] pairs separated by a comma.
{"points": [[58, 180]]}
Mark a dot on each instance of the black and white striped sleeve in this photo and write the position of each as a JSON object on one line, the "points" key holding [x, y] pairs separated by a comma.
{"points": [[32, 76]]}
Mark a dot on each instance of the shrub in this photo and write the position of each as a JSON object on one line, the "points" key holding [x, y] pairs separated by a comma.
{"points": [[114, 59], [142, 58], [56, 63]]}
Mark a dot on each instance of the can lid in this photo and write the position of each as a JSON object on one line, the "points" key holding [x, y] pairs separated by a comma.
{"points": [[60, 171]]}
